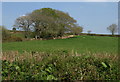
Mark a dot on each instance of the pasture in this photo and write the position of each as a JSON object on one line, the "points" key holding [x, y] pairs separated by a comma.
{"points": [[79, 44]]}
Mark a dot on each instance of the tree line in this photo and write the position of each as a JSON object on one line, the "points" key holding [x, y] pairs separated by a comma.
{"points": [[47, 23]]}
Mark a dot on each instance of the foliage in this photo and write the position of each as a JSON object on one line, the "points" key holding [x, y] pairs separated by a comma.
{"points": [[76, 30], [60, 66], [14, 29], [7, 36], [15, 39], [47, 23], [5, 33]]}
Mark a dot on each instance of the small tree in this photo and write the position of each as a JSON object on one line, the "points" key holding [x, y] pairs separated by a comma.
{"points": [[112, 28], [14, 29], [89, 31]]}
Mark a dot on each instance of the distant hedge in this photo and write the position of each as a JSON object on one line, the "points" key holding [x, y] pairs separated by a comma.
{"points": [[100, 35]]}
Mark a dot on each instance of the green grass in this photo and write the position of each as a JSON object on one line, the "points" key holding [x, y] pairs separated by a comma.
{"points": [[80, 44]]}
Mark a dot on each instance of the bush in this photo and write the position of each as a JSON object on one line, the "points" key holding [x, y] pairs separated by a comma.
{"points": [[17, 39], [61, 66], [5, 33], [13, 39]]}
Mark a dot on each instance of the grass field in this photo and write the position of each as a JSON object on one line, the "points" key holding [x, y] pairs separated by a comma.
{"points": [[80, 44]]}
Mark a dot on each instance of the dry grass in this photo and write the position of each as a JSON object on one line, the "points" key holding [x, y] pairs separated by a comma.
{"points": [[15, 55]]}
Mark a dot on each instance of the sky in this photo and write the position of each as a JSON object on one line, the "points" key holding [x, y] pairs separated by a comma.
{"points": [[60, 0], [94, 16]]}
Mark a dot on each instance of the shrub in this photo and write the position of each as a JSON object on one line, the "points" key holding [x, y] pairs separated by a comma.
{"points": [[18, 39], [5, 33], [13, 39], [61, 66]]}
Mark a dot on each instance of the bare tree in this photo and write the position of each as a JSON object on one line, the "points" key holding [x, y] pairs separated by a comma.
{"points": [[112, 28], [89, 31], [24, 23]]}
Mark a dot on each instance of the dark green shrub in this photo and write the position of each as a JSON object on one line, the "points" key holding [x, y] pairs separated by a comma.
{"points": [[60, 66]]}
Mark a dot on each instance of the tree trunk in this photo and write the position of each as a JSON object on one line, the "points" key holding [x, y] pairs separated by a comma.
{"points": [[112, 33], [35, 36]]}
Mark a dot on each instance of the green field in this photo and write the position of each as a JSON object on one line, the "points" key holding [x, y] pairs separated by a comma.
{"points": [[80, 44]]}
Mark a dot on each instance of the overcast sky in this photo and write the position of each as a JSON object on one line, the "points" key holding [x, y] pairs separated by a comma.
{"points": [[94, 16]]}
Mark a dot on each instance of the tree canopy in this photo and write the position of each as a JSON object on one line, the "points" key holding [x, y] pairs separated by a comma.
{"points": [[112, 28], [48, 22]]}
